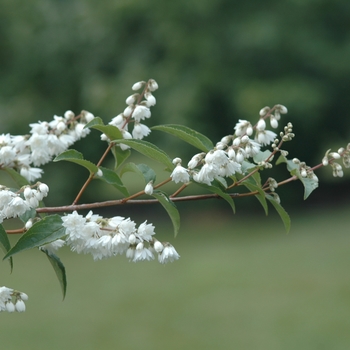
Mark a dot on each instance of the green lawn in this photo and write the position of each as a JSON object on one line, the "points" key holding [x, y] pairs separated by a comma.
{"points": [[241, 283]]}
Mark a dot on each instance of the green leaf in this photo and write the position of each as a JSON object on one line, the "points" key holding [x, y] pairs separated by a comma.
{"points": [[42, 232], [76, 157], [112, 178], [260, 196], [120, 156], [18, 178], [29, 214], [309, 184], [217, 190], [261, 156], [111, 131], [58, 268], [149, 150], [142, 170], [170, 207], [282, 213], [5, 244], [188, 135]]}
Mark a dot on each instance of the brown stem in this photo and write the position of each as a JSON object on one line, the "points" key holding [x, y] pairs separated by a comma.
{"points": [[111, 144]]}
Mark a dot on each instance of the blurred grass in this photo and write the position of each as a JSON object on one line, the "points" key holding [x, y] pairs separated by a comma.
{"points": [[241, 283]]}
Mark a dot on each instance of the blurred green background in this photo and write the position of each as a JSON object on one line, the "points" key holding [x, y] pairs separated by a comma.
{"points": [[241, 282]]}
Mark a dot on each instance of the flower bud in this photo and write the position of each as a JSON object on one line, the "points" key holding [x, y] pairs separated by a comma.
{"points": [[149, 188], [152, 85], [264, 111], [138, 85]]}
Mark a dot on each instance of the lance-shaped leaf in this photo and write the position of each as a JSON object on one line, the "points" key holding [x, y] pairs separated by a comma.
{"points": [[5, 244], [253, 183], [282, 213], [19, 179], [309, 184], [111, 131], [188, 135], [120, 156], [42, 232], [59, 269], [215, 188], [76, 157], [112, 178], [170, 207], [141, 169], [149, 150]]}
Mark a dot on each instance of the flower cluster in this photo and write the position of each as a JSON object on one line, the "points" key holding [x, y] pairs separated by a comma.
{"points": [[231, 151], [12, 300], [331, 157], [13, 205], [136, 111], [104, 238], [47, 140]]}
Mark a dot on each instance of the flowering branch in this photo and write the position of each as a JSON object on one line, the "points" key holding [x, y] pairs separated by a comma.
{"points": [[237, 160]]}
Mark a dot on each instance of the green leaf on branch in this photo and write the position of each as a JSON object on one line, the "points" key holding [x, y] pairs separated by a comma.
{"points": [[282, 213], [18, 178], [29, 214], [112, 178], [170, 207], [58, 268], [188, 135], [262, 156], [253, 184], [149, 150], [42, 232], [76, 157], [111, 131], [215, 188], [309, 184], [5, 244], [120, 156], [141, 169]]}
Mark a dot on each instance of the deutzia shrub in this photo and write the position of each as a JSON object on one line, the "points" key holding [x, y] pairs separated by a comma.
{"points": [[238, 159]]}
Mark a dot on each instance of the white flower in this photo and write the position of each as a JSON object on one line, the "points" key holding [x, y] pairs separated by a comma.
{"points": [[16, 207], [243, 127], [140, 130], [180, 174], [53, 246], [145, 232], [207, 174], [31, 174], [141, 112], [5, 296], [142, 253], [265, 137], [169, 254], [151, 100]]}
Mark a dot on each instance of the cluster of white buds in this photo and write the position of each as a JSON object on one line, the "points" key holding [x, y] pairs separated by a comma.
{"points": [[274, 118], [13, 204], [330, 158], [107, 237], [305, 170], [138, 109], [47, 140], [231, 151], [12, 300]]}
